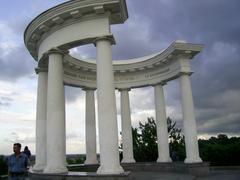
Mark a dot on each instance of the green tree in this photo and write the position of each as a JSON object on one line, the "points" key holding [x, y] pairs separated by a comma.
{"points": [[176, 144], [145, 141], [220, 150], [3, 166]]}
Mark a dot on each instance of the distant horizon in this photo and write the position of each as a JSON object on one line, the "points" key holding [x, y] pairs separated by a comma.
{"points": [[98, 153]]}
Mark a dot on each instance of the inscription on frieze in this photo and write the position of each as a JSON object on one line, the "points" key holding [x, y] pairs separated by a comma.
{"points": [[129, 78], [70, 74], [150, 75], [79, 76]]}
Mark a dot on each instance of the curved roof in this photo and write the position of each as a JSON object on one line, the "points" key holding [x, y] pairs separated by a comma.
{"points": [[145, 71], [71, 11]]}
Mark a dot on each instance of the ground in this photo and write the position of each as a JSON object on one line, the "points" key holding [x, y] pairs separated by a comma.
{"points": [[214, 175]]}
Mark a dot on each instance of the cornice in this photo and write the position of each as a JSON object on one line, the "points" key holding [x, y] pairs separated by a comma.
{"points": [[41, 69], [109, 38], [56, 51], [88, 89], [185, 73], [163, 83], [164, 58], [70, 12], [124, 89]]}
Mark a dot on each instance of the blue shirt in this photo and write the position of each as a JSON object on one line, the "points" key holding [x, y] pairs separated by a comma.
{"points": [[17, 164]]}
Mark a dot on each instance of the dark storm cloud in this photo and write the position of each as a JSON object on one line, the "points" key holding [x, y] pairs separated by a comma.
{"points": [[205, 21], [215, 23], [16, 64], [154, 25]]}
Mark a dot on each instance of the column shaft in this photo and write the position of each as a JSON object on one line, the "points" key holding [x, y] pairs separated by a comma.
{"points": [[189, 122], [90, 128], [107, 113], [41, 120], [56, 133], [161, 123], [126, 128]]}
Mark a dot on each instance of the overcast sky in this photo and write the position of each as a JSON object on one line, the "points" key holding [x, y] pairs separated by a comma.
{"points": [[152, 26]]}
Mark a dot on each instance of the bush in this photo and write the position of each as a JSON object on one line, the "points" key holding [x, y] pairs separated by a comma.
{"points": [[220, 150], [3, 166], [75, 160]]}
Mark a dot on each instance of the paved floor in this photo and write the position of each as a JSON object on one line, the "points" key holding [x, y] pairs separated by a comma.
{"points": [[160, 176], [214, 175], [222, 175]]}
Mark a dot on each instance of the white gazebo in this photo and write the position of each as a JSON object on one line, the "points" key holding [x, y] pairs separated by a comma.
{"points": [[78, 22]]}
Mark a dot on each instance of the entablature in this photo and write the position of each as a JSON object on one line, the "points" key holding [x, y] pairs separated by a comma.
{"points": [[146, 71], [68, 13]]}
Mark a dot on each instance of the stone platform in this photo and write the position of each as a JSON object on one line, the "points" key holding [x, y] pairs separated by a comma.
{"points": [[196, 169], [79, 175], [88, 172]]}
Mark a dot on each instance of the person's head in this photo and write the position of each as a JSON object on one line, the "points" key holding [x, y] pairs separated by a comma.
{"points": [[26, 148], [17, 148]]}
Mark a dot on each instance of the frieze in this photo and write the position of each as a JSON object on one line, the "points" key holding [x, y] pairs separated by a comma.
{"points": [[80, 76], [70, 74], [156, 73], [129, 78]]}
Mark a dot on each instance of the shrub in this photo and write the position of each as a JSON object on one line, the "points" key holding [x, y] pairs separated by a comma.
{"points": [[3, 165]]}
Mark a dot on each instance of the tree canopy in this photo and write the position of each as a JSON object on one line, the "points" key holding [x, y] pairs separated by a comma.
{"points": [[220, 150], [145, 141]]}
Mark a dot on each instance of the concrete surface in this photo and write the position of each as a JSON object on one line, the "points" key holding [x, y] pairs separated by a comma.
{"points": [[213, 175]]}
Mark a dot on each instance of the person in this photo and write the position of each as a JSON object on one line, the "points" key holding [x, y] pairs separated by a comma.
{"points": [[17, 163], [27, 152]]}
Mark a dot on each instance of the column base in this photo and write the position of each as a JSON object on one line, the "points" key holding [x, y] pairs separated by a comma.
{"points": [[110, 170], [55, 170], [162, 160], [91, 161], [131, 160], [38, 167], [193, 160]]}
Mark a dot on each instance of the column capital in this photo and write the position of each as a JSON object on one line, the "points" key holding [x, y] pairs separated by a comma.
{"points": [[108, 38], [187, 55], [39, 69], [124, 89], [56, 51], [161, 83], [88, 89], [186, 73]]}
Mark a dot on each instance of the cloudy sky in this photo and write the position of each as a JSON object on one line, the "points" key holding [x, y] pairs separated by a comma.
{"points": [[152, 26]]}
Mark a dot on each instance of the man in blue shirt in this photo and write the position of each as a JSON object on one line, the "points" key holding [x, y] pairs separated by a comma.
{"points": [[17, 163]]}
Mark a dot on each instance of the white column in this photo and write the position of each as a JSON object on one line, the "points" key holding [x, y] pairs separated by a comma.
{"points": [[107, 113], [126, 128], [189, 122], [41, 119], [161, 123], [90, 128], [56, 133]]}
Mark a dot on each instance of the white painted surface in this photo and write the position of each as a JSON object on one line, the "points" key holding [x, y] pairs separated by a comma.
{"points": [[107, 113], [90, 128], [161, 123], [56, 133], [82, 30], [41, 120], [76, 23], [189, 122], [164, 66], [126, 128]]}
